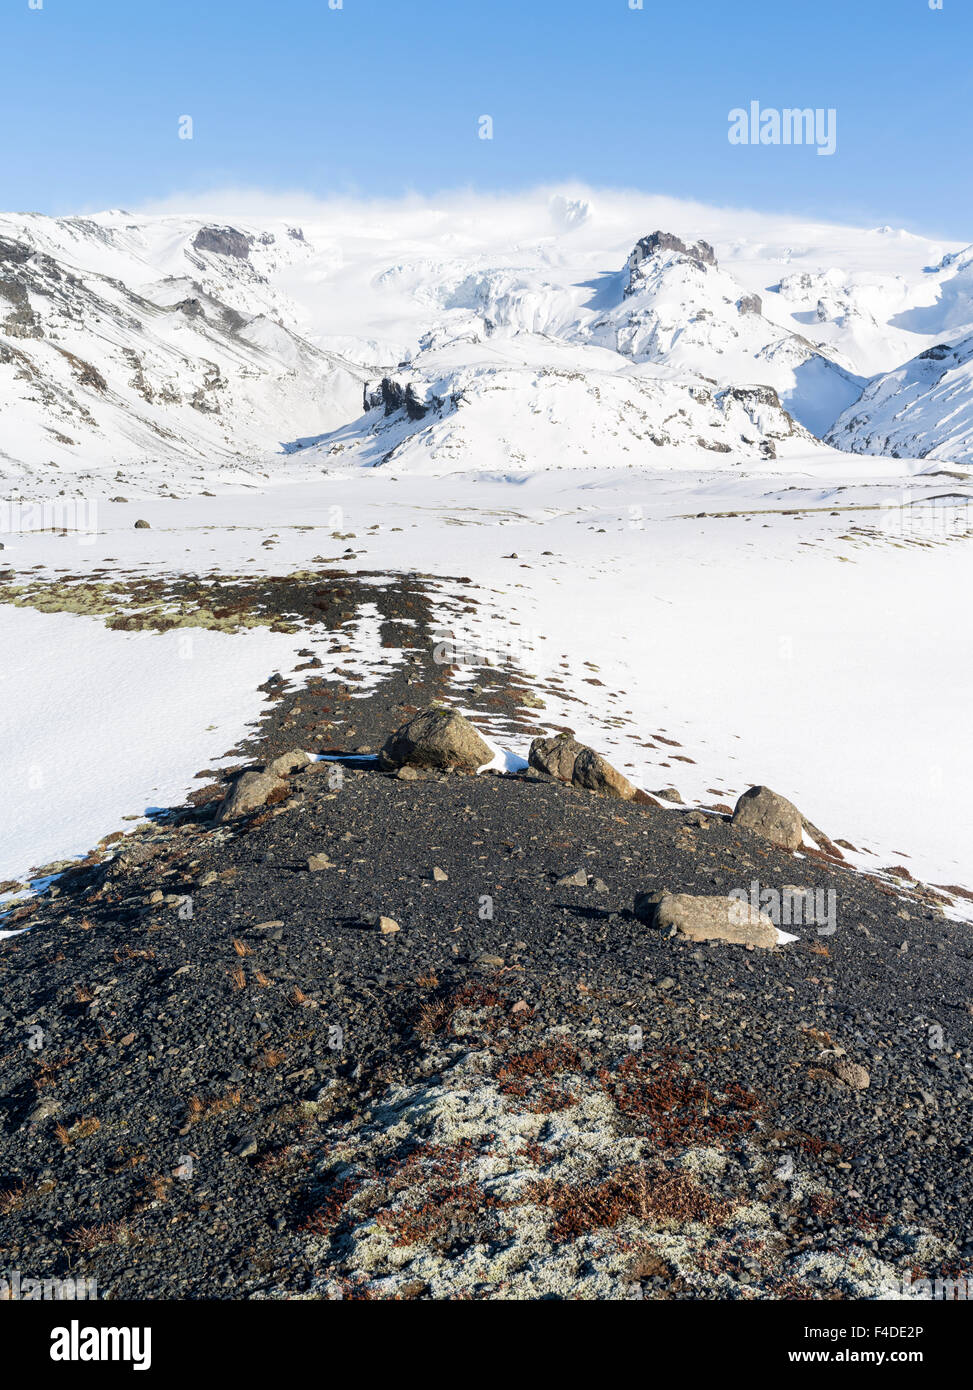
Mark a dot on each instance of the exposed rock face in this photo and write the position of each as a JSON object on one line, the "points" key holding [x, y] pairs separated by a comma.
{"points": [[14, 252], [248, 793], [555, 755], [223, 241], [763, 401], [21, 321], [595, 774], [771, 816], [700, 252], [394, 396], [436, 738], [707, 918], [750, 304]]}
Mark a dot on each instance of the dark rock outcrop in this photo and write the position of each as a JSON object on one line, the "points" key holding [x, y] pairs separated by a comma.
{"points": [[223, 241], [700, 253]]}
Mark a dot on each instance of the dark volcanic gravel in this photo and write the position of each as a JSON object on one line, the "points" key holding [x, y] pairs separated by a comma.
{"points": [[184, 1075]]}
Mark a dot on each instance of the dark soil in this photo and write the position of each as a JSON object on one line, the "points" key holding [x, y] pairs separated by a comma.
{"points": [[199, 1056]]}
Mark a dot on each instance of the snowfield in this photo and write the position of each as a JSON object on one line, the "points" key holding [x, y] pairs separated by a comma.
{"points": [[708, 471], [804, 633]]}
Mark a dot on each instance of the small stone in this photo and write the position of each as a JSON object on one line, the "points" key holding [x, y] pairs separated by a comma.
{"points": [[317, 862], [577, 879], [850, 1073], [440, 875], [406, 773], [671, 794], [245, 1147], [43, 1110], [486, 959], [388, 926]]}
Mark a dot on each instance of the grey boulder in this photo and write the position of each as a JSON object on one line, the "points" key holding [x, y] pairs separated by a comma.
{"points": [[707, 918], [770, 816], [435, 737]]}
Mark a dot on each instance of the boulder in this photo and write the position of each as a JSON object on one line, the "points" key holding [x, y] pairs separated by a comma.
{"points": [[568, 760], [248, 793], [707, 918], [592, 772], [436, 738], [555, 756], [770, 816], [142, 525], [288, 762]]}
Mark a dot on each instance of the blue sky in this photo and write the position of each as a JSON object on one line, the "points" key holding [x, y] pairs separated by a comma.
{"points": [[382, 97]]}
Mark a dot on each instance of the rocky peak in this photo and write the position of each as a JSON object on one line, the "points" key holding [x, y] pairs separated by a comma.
{"points": [[223, 241], [700, 253]]}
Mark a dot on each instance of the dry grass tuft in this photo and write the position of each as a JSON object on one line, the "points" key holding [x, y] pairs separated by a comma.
{"points": [[631, 1191], [675, 1110]]}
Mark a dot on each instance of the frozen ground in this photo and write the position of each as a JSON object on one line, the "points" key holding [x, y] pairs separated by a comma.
{"points": [[816, 640], [97, 726]]}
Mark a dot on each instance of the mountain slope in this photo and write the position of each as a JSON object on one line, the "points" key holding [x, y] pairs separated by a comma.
{"points": [[96, 375], [180, 351], [924, 409]]}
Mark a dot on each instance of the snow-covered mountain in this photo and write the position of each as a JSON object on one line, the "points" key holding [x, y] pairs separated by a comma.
{"points": [[510, 335], [924, 408], [120, 352]]}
